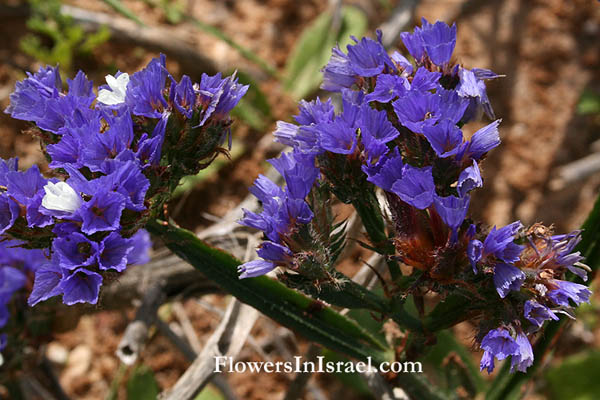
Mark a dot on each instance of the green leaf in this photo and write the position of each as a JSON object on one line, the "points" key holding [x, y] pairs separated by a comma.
{"points": [[308, 317], [123, 10], [313, 49], [142, 385]]}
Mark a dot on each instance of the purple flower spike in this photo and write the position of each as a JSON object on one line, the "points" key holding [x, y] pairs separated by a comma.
{"points": [[255, 268], [523, 359], [416, 187], [82, 286], [507, 278], [536, 313], [566, 291]]}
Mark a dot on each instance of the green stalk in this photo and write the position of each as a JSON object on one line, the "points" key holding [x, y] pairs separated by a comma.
{"points": [[311, 318]]}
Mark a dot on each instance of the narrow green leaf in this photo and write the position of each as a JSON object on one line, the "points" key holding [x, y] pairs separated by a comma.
{"points": [[121, 9], [313, 49], [142, 385], [310, 318]]}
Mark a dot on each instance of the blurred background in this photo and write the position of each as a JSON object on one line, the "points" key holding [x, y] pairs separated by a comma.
{"points": [[546, 169]]}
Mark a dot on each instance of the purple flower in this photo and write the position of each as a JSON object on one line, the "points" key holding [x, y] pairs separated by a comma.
{"points": [[376, 125], [114, 252], [474, 253], [566, 291], [523, 358], [9, 212], [255, 268], [386, 172], [368, 57], [128, 180], [280, 211], [537, 313], [438, 40], [337, 137], [402, 64], [46, 283], [102, 146], [81, 286], [471, 86], [28, 101], [338, 73], [469, 179], [102, 212], [499, 344], [299, 172], [484, 140], [75, 250], [416, 187], [140, 248], [487, 362], [144, 93], [388, 87], [425, 80], [500, 243], [453, 211], [314, 112], [219, 96], [444, 138], [507, 278], [417, 110], [274, 252], [183, 96]]}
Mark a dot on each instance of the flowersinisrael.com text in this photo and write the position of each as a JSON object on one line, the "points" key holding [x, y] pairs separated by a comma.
{"points": [[227, 364]]}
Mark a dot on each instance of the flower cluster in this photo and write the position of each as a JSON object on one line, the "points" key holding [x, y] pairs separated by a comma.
{"points": [[114, 159], [400, 132]]}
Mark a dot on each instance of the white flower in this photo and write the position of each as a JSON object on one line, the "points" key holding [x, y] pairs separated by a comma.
{"points": [[118, 88], [61, 197]]}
